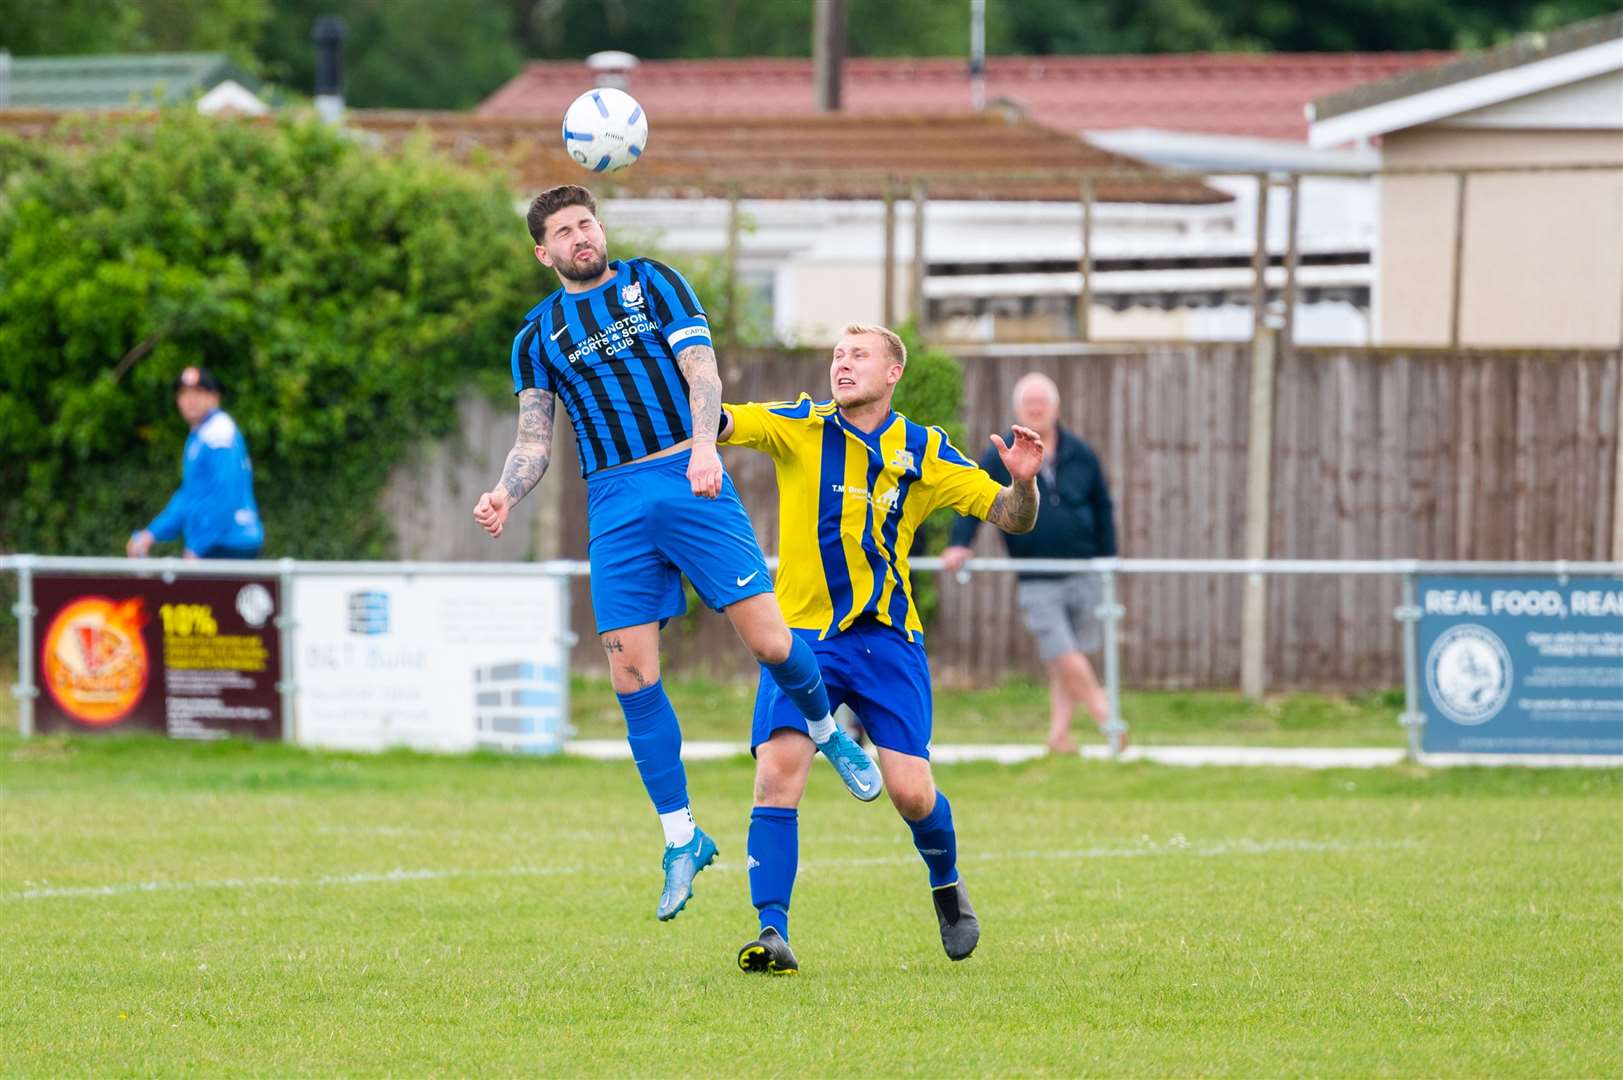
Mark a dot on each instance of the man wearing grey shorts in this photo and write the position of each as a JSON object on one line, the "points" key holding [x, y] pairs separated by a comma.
{"points": [[1077, 522]]}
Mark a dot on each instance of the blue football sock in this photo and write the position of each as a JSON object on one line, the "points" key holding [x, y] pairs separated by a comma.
{"points": [[656, 745], [933, 835], [801, 680], [774, 855]]}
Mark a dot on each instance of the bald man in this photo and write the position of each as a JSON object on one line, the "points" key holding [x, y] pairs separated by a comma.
{"points": [[1077, 522]]}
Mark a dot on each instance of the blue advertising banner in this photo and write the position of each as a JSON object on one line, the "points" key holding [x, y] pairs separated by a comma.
{"points": [[1521, 665]]}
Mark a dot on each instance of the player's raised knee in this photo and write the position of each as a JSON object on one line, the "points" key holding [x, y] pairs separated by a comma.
{"points": [[781, 765]]}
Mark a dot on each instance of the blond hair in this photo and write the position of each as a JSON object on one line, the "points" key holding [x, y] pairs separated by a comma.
{"points": [[893, 343]]}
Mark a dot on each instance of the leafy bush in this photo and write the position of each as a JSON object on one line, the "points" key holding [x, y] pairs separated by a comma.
{"points": [[344, 296]]}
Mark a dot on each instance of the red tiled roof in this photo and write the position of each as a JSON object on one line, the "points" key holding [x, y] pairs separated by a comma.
{"points": [[1211, 93], [962, 155]]}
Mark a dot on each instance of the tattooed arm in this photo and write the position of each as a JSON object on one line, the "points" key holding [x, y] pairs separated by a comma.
{"points": [[1014, 510], [532, 451], [526, 463], [698, 366]]}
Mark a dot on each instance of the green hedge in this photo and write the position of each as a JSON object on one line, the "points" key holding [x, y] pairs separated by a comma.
{"points": [[344, 296]]}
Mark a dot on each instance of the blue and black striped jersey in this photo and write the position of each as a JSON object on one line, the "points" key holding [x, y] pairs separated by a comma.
{"points": [[610, 355]]}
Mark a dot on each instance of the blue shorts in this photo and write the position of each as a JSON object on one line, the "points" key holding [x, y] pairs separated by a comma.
{"points": [[648, 529], [874, 669]]}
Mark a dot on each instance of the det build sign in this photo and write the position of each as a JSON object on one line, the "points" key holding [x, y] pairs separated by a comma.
{"points": [[1521, 665], [195, 658]]}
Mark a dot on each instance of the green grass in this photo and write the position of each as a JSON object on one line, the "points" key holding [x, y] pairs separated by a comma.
{"points": [[1138, 921], [1017, 711]]}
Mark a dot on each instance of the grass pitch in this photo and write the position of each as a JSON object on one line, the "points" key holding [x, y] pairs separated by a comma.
{"points": [[1017, 712], [254, 909]]}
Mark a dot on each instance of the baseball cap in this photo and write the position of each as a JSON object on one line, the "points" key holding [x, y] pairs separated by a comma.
{"points": [[200, 377]]}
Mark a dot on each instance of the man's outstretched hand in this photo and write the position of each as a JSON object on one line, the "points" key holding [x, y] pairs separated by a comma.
{"points": [[1025, 457]]}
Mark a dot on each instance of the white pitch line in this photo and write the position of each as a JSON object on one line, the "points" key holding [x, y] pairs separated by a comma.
{"points": [[386, 876], [1368, 757], [1176, 846], [1295, 757]]}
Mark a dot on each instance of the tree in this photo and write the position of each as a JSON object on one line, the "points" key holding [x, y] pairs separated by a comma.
{"points": [[72, 27], [345, 297], [409, 54]]}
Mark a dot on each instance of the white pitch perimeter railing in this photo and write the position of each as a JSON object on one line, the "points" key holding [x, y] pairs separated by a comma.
{"points": [[1110, 611]]}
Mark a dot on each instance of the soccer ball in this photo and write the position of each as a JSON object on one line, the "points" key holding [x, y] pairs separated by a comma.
{"points": [[605, 129]]}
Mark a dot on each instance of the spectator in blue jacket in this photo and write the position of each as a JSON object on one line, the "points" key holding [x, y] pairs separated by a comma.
{"points": [[214, 511], [1077, 521]]}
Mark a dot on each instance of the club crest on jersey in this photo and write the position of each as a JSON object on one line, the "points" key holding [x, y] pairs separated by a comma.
{"points": [[631, 295], [902, 459]]}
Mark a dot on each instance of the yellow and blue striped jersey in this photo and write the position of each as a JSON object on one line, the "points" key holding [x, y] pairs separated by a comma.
{"points": [[849, 502]]}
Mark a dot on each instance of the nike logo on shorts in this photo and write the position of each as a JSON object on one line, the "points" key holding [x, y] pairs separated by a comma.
{"points": [[741, 582]]}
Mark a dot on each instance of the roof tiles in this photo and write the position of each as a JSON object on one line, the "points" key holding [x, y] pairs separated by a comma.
{"points": [[963, 155], [1213, 93]]}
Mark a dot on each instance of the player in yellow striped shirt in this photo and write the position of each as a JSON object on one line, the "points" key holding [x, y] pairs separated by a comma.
{"points": [[855, 480]]}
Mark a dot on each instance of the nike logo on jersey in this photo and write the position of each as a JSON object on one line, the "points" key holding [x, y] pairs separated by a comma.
{"points": [[559, 331], [746, 580]]}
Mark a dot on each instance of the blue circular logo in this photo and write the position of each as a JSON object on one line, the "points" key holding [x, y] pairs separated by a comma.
{"points": [[1469, 674]]}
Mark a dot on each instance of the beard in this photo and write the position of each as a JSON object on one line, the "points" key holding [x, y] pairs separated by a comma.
{"points": [[856, 398], [583, 266]]}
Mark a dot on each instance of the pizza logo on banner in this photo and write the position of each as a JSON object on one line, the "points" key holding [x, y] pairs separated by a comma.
{"points": [[1468, 672], [94, 661]]}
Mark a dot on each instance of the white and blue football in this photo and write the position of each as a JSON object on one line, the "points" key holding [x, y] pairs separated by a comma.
{"points": [[605, 129]]}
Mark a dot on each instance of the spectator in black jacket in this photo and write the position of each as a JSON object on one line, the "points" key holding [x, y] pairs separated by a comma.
{"points": [[1077, 521]]}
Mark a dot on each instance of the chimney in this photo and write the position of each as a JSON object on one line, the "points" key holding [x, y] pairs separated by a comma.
{"points": [[977, 54], [612, 68], [329, 38], [828, 52]]}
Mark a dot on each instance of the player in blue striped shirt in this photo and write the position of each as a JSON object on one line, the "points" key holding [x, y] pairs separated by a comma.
{"points": [[627, 347]]}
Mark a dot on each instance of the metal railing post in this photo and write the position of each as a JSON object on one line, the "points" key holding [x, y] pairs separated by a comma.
{"points": [[1413, 720], [734, 225], [567, 639], [917, 303], [889, 305], [25, 691], [1084, 299], [1110, 613], [1457, 267], [286, 623]]}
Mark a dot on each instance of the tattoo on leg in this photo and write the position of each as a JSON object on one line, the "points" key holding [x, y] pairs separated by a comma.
{"points": [[642, 680], [613, 645]]}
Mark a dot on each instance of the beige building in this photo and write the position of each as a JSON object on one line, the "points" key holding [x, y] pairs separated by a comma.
{"points": [[1539, 254]]}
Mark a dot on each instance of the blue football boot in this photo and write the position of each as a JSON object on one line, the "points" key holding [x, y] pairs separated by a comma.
{"points": [[853, 764], [682, 865]]}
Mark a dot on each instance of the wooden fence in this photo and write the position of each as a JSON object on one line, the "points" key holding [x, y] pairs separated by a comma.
{"points": [[1378, 453]]}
